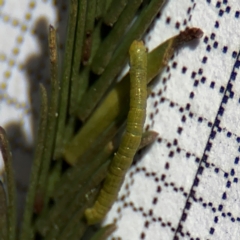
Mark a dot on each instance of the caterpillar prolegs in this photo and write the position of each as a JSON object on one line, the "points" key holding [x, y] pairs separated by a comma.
{"points": [[130, 140]]}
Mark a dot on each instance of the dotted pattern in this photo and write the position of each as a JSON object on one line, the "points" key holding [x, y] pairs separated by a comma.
{"points": [[23, 65], [184, 186]]}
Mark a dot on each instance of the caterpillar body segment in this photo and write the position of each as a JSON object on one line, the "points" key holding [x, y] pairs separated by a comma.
{"points": [[130, 140]]}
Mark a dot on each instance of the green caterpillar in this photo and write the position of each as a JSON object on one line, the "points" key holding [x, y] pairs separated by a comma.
{"points": [[131, 139]]}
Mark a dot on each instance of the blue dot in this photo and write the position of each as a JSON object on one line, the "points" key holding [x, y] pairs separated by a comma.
{"points": [[215, 44], [228, 9], [237, 64], [213, 35], [225, 99], [234, 54], [212, 84], [231, 95], [204, 60], [220, 14], [213, 134], [225, 48], [221, 89], [220, 207], [229, 134], [233, 76], [208, 48], [196, 83], [229, 86], [211, 230], [203, 80]]}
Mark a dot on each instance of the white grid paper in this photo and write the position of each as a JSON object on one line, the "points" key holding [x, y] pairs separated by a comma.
{"points": [[186, 185]]}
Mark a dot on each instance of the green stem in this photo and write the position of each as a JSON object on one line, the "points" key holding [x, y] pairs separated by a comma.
{"points": [[65, 82], [78, 210], [51, 119], [28, 211], [3, 213], [114, 12], [79, 174], [55, 220], [71, 183], [114, 106], [108, 46], [11, 192], [104, 232], [90, 20], [78, 48], [98, 89]]}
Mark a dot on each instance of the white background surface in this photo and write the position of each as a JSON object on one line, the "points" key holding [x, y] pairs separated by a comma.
{"points": [[186, 185]]}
